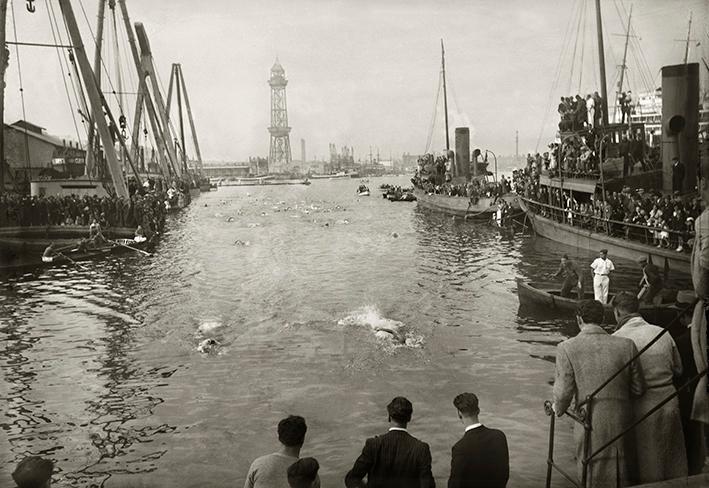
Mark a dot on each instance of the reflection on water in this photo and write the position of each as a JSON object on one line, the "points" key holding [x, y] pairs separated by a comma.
{"points": [[319, 302]]}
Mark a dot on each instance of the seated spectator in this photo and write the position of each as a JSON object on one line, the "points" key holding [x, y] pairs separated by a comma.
{"points": [[33, 472], [304, 473]]}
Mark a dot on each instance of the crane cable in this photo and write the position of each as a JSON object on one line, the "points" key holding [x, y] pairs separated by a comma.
{"points": [[103, 65], [64, 66], [22, 95]]}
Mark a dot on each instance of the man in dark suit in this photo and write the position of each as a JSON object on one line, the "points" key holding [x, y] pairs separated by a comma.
{"points": [[480, 458], [395, 459]]}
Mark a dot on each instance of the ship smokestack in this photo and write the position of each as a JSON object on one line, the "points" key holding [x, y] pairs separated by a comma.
{"points": [[680, 123], [462, 152]]}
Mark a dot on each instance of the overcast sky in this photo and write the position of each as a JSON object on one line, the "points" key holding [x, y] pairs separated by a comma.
{"points": [[365, 73]]}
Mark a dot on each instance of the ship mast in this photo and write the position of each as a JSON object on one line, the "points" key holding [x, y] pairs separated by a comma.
{"points": [[3, 66], [445, 94], [686, 45], [602, 63], [623, 67]]}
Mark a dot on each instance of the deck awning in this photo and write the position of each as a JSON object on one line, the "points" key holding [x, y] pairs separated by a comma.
{"points": [[585, 185]]}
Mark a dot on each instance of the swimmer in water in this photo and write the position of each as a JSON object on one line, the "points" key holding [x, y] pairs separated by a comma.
{"points": [[208, 346], [390, 334]]}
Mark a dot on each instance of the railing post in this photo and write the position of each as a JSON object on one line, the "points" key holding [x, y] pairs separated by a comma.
{"points": [[587, 432], [550, 455]]}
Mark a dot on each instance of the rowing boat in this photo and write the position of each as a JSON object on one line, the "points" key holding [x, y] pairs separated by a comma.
{"points": [[74, 254], [541, 296]]}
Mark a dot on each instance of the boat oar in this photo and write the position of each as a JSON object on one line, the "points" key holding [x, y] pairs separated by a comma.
{"points": [[72, 261], [133, 248]]}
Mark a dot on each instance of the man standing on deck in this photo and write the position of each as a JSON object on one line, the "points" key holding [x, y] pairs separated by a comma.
{"points": [[572, 277], [659, 441], [602, 267], [583, 364], [677, 175]]}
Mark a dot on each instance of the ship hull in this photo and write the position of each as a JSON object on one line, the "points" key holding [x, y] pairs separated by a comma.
{"points": [[485, 209], [593, 241]]}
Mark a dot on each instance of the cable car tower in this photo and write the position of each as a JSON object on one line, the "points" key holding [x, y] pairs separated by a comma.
{"points": [[279, 156]]}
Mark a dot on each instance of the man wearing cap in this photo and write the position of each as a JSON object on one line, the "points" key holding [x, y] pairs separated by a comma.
{"points": [[481, 457], [572, 277], [602, 267], [651, 282]]}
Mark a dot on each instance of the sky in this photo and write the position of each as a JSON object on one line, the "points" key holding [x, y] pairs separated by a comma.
{"points": [[362, 73]]}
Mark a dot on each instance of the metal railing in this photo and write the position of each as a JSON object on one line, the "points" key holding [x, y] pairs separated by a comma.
{"points": [[630, 230], [584, 416]]}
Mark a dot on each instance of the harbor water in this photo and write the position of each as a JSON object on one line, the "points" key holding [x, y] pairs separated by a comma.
{"points": [[102, 370]]}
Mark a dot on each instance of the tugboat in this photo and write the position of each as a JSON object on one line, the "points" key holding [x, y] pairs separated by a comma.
{"points": [[445, 184]]}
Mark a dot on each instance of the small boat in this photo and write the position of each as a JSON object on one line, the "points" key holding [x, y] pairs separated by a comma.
{"points": [[74, 254], [538, 295], [398, 194], [363, 191]]}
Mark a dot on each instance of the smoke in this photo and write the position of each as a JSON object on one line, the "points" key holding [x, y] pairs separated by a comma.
{"points": [[460, 119]]}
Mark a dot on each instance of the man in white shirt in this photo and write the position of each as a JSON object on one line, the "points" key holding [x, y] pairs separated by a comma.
{"points": [[590, 111], [602, 267]]}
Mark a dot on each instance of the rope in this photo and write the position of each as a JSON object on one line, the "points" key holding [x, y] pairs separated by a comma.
{"points": [[435, 113], [583, 43], [557, 77], [576, 41], [103, 65]]}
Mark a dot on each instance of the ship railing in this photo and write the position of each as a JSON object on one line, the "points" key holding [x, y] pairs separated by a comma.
{"points": [[628, 230], [583, 414]]}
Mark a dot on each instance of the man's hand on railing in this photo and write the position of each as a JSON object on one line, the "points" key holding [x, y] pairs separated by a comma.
{"points": [[551, 409]]}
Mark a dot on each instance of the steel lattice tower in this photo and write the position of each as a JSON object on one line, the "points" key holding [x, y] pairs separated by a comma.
{"points": [[279, 158]]}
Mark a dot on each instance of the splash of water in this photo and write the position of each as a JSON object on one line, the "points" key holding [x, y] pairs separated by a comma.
{"points": [[385, 329]]}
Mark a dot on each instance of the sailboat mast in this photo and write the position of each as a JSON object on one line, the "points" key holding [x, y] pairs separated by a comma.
{"points": [[445, 94], [602, 63]]}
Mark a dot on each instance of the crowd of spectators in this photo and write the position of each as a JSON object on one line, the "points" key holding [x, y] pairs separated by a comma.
{"points": [[433, 176], [666, 221], [146, 207], [579, 112]]}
